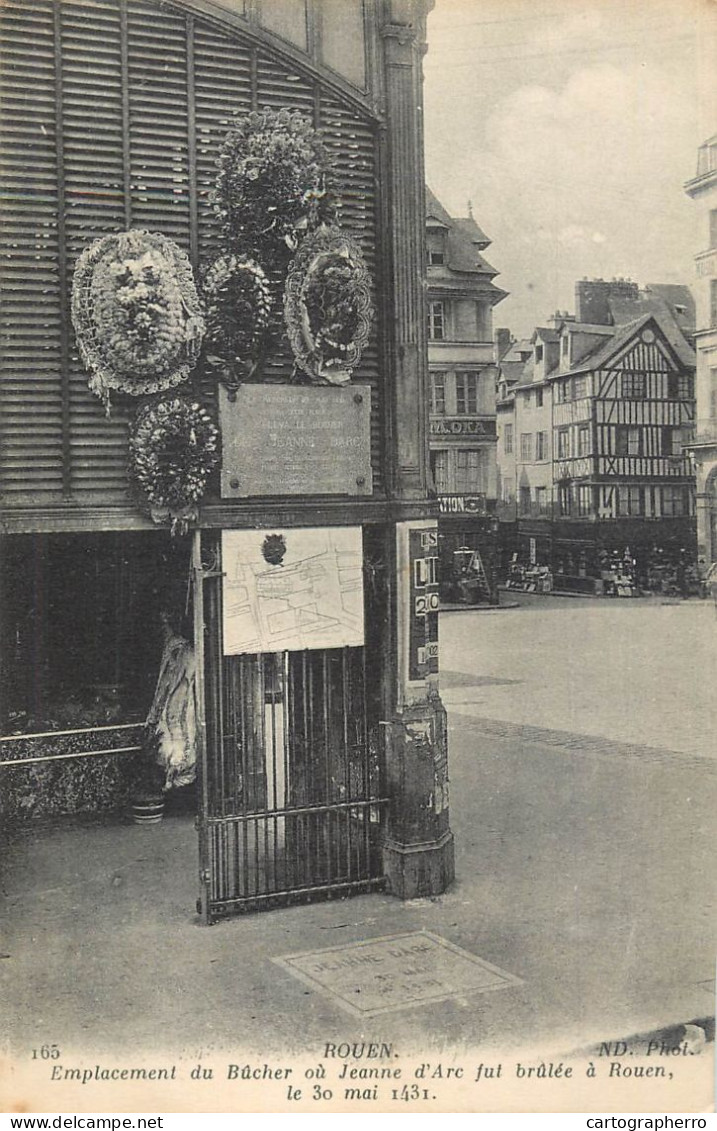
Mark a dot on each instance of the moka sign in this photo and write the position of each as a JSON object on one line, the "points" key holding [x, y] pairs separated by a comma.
{"points": [[460, 428]]}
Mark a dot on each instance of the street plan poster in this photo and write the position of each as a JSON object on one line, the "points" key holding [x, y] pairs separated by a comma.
{"points": [[292, 590]]}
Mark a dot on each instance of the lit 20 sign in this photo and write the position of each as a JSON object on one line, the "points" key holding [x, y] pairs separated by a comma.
{"points": [[423, 632]]}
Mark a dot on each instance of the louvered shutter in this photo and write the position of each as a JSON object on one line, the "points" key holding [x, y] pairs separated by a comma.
{"points": [[31, 454], [144, 93]]}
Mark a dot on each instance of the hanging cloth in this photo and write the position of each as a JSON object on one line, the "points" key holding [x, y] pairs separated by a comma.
{"points": [[173, 715]]}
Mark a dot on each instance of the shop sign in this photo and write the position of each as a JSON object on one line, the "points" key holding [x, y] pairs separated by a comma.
{"points": [[461, 427], [295, 440], [462, 504], [423, 624]]}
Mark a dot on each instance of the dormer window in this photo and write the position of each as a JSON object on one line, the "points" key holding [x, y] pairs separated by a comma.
{"points": [[565, 346], [538, 353], [436, 248]]}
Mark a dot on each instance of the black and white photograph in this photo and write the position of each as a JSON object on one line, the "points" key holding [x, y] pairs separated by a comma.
{"points": [[358, 557]]}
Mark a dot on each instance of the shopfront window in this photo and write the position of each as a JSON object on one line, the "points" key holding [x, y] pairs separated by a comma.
{"points": [[80, 638]]}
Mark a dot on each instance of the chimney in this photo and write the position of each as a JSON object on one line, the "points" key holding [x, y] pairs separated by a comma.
{"points": [[592, 298], [503, 342]]}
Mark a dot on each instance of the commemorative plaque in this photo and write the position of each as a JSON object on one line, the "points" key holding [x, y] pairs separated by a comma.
{"points": [[295, 440]]}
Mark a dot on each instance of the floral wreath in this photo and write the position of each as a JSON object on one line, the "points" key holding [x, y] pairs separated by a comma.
{"points": [[136, 314], [238, 305], [173, 448], [273, 183], [327, 305]]}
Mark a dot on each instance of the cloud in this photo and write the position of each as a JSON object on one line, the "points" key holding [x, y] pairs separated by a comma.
{"points": [[587, 179]]}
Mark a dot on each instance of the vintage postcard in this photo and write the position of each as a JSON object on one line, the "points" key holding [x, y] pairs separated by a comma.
{"points": [[358, 561]]}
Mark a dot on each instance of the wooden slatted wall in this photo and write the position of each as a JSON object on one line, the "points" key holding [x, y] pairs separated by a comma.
{"points": [[112, 115]]}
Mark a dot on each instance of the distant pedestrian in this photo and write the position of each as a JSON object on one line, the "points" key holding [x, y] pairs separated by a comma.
{"points": [[711, 582]]}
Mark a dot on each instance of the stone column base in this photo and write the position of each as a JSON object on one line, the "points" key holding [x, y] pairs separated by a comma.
{"points": [[419, 870]]}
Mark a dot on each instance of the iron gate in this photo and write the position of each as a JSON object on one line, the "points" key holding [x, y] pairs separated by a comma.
{"points": [[291, 775]]}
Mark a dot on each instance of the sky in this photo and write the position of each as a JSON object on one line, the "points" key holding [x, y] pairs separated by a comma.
{"points": [[571, 126]]}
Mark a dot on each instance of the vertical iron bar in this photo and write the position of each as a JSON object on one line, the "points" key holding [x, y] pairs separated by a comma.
{"points": [[242, 661], [347, 751], [326, 820], [199, 656], [126, 123], [305, 855]]}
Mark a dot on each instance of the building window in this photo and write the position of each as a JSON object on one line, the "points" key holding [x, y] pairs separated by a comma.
{"points": [[565, 345], [539, 398], [580, 388], [508, 439], [436, 321], [563, 390], [435, 257], [526, 446], [466, 393], [713, 227], [458, 472], [564, 498], [525, 500], [713, 394], [631, 501], [564, 444], [439, 462], [671, 441], [526, 398], [538, 353], [468, 472], [438, 393], [713, 302], [634, 386], [540, 446], [585, 499], [507, 490], [627, 440], [541, 499], [584, 440], [680, 386], [673, 502]]}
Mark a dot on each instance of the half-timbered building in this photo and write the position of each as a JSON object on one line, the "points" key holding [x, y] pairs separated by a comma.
{"points": [[598, 428]]}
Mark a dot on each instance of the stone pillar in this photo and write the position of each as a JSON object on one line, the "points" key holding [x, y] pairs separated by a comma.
{"points": [[403, 52], [418, 847]]}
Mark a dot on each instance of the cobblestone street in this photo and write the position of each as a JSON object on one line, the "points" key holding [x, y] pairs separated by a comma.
{"points": [[640, 673]]}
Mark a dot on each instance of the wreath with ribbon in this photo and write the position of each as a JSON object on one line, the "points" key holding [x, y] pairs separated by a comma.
{"points": [[327, 305], [136, 314], [173, 449], [238, 303], [273, 184]]}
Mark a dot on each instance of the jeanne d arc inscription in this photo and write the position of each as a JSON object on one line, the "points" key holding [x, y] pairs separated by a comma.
{"points": [[289, 440]]}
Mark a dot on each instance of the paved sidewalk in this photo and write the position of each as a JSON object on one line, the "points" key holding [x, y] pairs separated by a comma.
{"points": [[587, 877]]}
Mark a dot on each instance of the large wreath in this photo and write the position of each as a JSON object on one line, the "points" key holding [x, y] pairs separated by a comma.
{"points": [[136, 314], [273, 184], [327, 305], [173, 448], [238, 305]]}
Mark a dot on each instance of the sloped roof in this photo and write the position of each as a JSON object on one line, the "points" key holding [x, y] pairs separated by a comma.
{"points": [[436, 211], [623, 334], [464, 239], [546, 334]]}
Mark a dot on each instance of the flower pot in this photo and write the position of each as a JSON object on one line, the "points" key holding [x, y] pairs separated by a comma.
{"points": [[148, 809]]}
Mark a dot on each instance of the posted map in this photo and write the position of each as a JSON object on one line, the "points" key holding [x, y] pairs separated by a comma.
{"points": [[293, 589]]}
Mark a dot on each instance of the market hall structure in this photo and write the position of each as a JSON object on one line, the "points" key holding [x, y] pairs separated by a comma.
{"points": [[213, 350]]}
